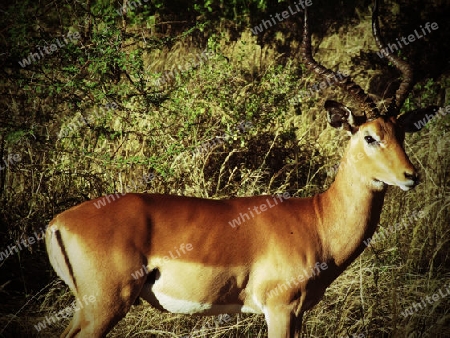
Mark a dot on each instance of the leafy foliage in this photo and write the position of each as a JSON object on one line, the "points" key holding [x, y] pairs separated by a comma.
{"points": [[91, 118]]}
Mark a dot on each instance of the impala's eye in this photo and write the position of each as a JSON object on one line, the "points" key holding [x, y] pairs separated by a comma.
{"points": [[369, 139]]}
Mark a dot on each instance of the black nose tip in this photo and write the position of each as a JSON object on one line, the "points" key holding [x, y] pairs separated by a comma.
{"points": [[414, 177]]}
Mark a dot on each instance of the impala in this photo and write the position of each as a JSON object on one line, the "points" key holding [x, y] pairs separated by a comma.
{"points": [[302, 244]]}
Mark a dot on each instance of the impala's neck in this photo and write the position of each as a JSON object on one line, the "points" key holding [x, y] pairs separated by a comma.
{"points": [[351, 209]]}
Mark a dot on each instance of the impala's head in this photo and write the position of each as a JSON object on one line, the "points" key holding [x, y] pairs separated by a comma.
{"points": [[377, 138], [376, 144]]}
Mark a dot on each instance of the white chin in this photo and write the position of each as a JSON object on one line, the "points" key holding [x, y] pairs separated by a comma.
{"points": [[405, 187], [379, 185]]}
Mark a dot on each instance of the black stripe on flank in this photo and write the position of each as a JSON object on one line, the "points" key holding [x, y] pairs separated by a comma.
{"points": [[66, 258]]}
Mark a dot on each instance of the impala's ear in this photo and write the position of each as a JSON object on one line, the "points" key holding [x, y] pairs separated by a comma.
{"points": [[339, 116], [415, 120]]}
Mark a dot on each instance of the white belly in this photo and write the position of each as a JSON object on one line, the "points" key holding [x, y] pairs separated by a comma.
{"points": [[200, 293]]}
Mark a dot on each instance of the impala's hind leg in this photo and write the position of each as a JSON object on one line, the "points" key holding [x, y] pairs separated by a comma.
{"points": [[94, 321], [102, 304], [74, 327]]}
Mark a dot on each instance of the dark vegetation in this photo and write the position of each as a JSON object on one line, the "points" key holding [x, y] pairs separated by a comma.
{"points": [[133, 127]]}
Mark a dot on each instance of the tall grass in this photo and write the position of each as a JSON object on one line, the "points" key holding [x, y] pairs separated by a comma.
{"points": [[287, 148]]}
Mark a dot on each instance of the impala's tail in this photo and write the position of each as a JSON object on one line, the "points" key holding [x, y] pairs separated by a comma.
{"points": [[57, 254]]}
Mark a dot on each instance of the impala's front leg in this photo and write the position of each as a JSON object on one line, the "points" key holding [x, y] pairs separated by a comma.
{"points": [[282, 323], [279, 323], [281, 315], [298, 325]]}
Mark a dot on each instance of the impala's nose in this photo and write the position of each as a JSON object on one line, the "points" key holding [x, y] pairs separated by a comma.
{"points": [[414, 177]]}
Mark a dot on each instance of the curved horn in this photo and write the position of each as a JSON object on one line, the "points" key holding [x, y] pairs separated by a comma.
{"points": [[365, 101], [402, 66]]}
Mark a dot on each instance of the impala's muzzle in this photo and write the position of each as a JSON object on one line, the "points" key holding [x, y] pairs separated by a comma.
{"points": [[412, 180]]}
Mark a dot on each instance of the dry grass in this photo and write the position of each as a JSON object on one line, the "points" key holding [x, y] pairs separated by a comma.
{"points": [[289, 148]]}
